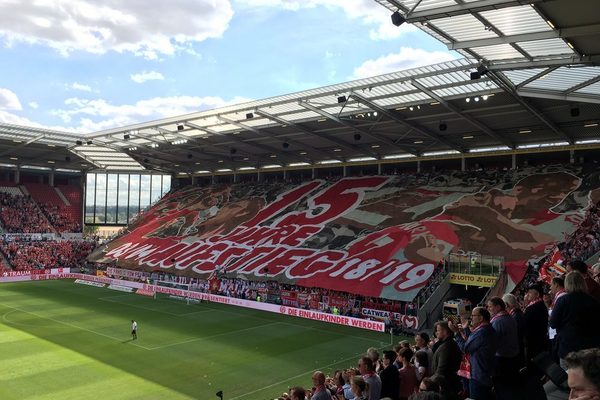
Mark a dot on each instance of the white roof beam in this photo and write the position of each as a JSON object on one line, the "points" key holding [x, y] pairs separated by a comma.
{"points": [[547, 94], [393, 116], [537, 76], [479, 125], [374, 136], [527, 37], [335, 142], [466, 8], [507, 85], [582, 85], [284, 155], [20, 146], [235, 139]]}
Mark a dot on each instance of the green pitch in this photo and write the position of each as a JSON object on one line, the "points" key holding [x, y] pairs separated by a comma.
{"points": [[59, 340]]}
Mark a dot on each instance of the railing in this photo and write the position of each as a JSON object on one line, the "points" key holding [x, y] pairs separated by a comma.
{"points": [[475, 264]]}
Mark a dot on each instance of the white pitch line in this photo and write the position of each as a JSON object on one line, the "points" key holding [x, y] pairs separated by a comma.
{"points": [[74, 326], [212, 336], [301, 375]]}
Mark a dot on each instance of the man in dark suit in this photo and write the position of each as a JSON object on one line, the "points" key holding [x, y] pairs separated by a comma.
{"points": [[446, 358], [536, 339], [390, 378]]}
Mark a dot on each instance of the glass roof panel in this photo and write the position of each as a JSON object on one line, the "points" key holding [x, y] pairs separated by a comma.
{"points": [[516, 20]]}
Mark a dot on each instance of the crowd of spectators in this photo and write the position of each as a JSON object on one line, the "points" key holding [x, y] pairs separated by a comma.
{"points": [[313, 298], [31, 255], [585, 241], [20, 214], [60, 218]]}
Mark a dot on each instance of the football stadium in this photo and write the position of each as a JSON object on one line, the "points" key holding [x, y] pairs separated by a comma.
{"points": [[426, 233]]}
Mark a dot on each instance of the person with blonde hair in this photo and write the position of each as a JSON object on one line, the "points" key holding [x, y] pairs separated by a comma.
{"points": [[575, 318], [359, 388]]}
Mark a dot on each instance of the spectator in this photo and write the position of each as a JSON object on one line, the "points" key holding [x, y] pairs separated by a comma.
{"points": [[514, 310], [297, 393], [359, 388], [422, 345], [367, 370], [446, 358], [409, 382], [320, 392], [508, 349], [583, 369], [593, 287], [390, 378], [480, 345], [536, 339], [575, 318]]}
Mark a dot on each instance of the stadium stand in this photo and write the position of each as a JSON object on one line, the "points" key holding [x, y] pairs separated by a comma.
{"points": [[63, 217], [27, 255], [20, 214]]}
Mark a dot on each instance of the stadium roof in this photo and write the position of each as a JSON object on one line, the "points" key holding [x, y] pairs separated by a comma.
{"points": [[505, 32], [538, 85]]}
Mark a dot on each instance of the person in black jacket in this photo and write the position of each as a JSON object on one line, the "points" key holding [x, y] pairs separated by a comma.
{"points": [[390, 378], [575, 317], [446, 359], [536, 339]]}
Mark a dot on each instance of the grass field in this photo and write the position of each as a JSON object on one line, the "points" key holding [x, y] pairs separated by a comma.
{"points": [[59, 340]]}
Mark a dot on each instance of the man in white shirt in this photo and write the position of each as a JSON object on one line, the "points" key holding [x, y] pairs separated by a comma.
{"points": [[133, 330]]}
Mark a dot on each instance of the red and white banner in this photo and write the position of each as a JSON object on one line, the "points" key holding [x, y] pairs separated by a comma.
{"points": [[126, 273], [407, 321], [89, 283]]}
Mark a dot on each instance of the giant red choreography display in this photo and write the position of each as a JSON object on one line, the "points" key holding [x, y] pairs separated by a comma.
{"points": [[376, 236]]}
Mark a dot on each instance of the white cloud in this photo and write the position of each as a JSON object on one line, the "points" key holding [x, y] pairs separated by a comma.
{"points": [[98, 114], [99, 26], [407, 58], [80, 86], [367, 11], [147, 76], [34, 105], [9, 100]]}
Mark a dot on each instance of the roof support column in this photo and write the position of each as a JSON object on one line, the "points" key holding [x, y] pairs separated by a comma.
{"points": [[418, 166], [285, 175], [193, 180], [258, 176], [314, 173], [514, 161], [51, 178], [344, 171], [235, 177], [572, 156], [463, 164], [379, 169], [18, 174]]}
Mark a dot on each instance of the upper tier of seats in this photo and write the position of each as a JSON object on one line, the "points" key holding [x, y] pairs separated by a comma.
{"points": [[45, 209]]}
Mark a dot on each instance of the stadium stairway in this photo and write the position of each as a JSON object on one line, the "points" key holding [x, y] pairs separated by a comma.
{"points": [[431, 311]]}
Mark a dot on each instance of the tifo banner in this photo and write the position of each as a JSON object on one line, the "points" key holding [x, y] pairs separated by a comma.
{"points": [[472, 280], [378, 236]]}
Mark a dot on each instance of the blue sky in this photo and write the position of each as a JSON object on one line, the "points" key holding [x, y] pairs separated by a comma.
{"points": [[87, 66]]}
